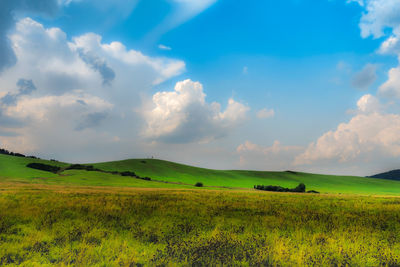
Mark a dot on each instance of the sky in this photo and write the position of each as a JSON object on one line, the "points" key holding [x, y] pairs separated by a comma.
{"points": [[266, 85]]}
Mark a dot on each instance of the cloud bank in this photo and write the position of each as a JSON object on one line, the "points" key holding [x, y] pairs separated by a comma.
{"points": [[60, 94]]}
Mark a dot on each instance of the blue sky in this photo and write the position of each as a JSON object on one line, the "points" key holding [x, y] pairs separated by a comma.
{"points": [[294, 84]]}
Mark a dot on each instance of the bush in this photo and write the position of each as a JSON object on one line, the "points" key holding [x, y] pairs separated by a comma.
{"points": [[6, 152], [128, 173], [44, 167], [301, 188], [78, 167], [199, 184]]}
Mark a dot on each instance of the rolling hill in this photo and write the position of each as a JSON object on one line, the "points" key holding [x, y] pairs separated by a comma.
{"points": [[174, 175], [390, 175]]}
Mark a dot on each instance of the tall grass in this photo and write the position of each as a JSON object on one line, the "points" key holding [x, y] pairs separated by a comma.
{"points": [[106, 227]]}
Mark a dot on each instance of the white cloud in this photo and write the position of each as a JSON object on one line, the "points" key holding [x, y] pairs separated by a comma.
{"points": [[164, 47], [380, 15], [275, 157], [8, 8], [40, 108], [84, 94], [391, 88], [390, 46], [184, 116], [368, 137], [265, 113], [368, 104]]}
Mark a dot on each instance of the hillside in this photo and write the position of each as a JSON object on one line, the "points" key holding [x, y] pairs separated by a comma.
{"points": [[14, 169], [390, 175], [170, 171]]}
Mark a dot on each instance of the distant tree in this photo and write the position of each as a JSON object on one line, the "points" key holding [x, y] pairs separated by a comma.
{"points": [[199, 184], [44, 167], [301, 188]]}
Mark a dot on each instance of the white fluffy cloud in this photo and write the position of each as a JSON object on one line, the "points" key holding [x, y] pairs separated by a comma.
{"points": [[368, 136], [8, 9], [83, 90], [275, 157], [368, 104], [379, 15], [184, 115], [391, 88]]}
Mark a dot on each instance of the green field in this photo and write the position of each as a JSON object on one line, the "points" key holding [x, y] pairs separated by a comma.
{"points": [[14, 169], [81, 226], [95, 218]]}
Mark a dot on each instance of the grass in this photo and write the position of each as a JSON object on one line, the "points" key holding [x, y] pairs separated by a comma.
{"points": [[14, 169], [170, 171], [89, 218], [103, 226]]}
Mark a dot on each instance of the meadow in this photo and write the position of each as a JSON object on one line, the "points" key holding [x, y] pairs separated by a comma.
{"points": [[92, 218], [103, 226], [165, 174]]}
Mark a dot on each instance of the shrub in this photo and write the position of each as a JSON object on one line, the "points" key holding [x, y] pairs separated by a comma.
{"points": [[44, 167], [199, 184], [77, 167], [301, 188], [128, 173], [6, 152]]}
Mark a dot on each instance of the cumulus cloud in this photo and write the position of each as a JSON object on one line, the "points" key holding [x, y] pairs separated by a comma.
{"points": [[391, 45], [184, 116], [368, 137], [391, 88], [25, 87], [99, 65], [59, 65], [379, 15], [44, 123], [363, 79], [8, 8], [275, 157], [76, 94], [368, 104], [265, 113]]}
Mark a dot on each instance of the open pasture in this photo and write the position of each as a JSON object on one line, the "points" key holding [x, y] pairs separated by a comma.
{"points": [[81, 225]]}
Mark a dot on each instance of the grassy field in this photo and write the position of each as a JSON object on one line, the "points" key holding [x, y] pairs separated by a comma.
{"points": [[170, 171], [14, 169], [109, 226], [90, 218]]}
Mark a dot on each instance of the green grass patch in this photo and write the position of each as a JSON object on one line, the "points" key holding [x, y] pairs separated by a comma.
{"points": [[89, 227], [14, 169]]}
